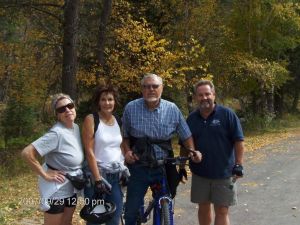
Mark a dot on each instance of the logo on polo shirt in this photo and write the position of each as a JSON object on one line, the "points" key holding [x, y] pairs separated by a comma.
{"points": [[215, 122]]}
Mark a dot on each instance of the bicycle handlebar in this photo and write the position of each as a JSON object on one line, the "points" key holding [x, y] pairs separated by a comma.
{"points": [[175, 161], [160, 162]]}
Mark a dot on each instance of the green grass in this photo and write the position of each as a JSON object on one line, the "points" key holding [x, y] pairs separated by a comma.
{"points": [[11, 163], [259, 125]]}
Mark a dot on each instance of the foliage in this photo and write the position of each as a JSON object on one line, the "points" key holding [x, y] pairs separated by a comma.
{"points": [[258, 122], [27, 69], [137, 50], [252, 40], [268, 123], [245, 47], [251, 74]]}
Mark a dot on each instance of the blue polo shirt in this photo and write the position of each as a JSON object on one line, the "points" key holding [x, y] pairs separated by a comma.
{"points": [[215, 137]]}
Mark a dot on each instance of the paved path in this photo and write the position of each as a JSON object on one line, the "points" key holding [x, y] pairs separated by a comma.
{"points": [[268, 194]]}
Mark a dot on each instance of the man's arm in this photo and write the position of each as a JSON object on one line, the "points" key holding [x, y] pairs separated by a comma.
{"points": [[237, 170], [128, 153], [186, 145], [239, 149], [189, 148]]}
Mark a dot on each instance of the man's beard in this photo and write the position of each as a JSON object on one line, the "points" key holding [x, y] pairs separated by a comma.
{"points": [[152, 99], [206, 105]]}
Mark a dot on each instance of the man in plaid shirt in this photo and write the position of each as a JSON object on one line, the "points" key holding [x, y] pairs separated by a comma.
{"points": [[150, 122]]}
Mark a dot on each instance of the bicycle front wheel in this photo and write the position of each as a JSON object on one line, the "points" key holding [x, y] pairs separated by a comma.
{"points": [[165, 213]]}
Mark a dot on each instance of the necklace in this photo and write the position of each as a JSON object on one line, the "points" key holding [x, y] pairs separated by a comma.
{"points": [[110, 121]]}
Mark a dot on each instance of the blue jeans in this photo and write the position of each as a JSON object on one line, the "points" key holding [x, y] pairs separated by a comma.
{"points": [[140, 179], [116, 197]]}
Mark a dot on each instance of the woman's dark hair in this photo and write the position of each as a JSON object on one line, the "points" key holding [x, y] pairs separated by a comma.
{"points": [[107, 89]]}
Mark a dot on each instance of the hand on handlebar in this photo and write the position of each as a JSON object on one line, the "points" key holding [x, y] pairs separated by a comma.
{"points": [[130, 157], [237, 171], [196, 156]]}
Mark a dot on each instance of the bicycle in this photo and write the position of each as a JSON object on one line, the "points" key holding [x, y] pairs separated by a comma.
{"points": [[161, 203]]}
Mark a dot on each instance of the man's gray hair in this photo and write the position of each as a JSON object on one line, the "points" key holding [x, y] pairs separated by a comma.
{"points": [[204, 82], [151, 75]]}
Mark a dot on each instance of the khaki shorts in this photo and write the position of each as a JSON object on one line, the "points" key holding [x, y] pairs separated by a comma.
{"points": [[222, 192]]}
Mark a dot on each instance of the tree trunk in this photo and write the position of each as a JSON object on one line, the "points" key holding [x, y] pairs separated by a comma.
{"points": [[278, 102], [270, 100], [105, 15], [70, 27], [4, 85], [254, 107], [295, 99]]}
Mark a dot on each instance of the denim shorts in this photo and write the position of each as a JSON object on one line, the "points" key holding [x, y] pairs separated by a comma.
{"points": [[221, 192]]}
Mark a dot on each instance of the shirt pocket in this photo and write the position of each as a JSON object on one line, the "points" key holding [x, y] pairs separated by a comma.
{"points": [[168, 128]]}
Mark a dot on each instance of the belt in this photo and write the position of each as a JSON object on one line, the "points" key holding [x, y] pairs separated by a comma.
{"points": [[50, 167]]}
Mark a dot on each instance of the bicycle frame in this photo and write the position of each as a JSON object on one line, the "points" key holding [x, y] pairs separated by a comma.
{"points": [[160, 196], [161, 199]]}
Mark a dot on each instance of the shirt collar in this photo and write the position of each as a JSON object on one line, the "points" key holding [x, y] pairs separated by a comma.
{"points": [[155, 109]]}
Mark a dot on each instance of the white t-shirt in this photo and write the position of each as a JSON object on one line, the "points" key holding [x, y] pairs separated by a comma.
{"points": [[61, 147], [63, 151], [107, 144]]}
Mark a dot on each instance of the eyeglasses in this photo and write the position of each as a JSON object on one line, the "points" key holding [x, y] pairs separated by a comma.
{"points": [[62, 109], [149, 86]]}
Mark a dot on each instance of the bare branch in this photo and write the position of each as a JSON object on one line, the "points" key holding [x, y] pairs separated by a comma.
{"points": [[9, 4], [48, 13], [35, 6]]}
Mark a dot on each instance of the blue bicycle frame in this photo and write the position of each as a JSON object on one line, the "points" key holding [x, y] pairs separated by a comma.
{"points": [[160, 199], [162, 203]]}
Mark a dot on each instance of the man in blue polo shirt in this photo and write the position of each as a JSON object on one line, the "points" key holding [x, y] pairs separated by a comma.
{"points": [[149, 123], [217, 132]]}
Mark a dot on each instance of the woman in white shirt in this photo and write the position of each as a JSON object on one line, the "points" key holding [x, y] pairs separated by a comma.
{"points": [[62, 149], [103, 149]]}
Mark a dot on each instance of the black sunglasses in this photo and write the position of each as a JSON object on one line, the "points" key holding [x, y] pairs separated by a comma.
{"points": [[62, 109], [149, 86]]}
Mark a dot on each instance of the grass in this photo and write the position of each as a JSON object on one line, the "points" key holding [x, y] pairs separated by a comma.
{"points": [[259, 125]]}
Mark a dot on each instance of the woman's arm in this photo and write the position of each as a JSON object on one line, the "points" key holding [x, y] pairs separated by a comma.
{"points": [[30, 154], [89, 141]]}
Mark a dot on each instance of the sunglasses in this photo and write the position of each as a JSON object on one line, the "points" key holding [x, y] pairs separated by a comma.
{"points": [[149, 86], [62, 109]]}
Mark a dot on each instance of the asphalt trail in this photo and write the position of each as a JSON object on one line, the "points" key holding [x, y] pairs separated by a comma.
{"points": [[267, 195]]}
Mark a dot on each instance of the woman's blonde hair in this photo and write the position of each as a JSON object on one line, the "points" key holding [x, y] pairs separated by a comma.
{"points": [[57, 97]]}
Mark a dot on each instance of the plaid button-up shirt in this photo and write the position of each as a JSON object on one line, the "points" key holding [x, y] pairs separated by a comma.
{"points": [[161, 123]]}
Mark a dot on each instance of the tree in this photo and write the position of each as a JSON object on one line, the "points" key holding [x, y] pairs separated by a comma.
{"points": [[69, 65], [105, 15], [294, 84], [252, 60]]}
